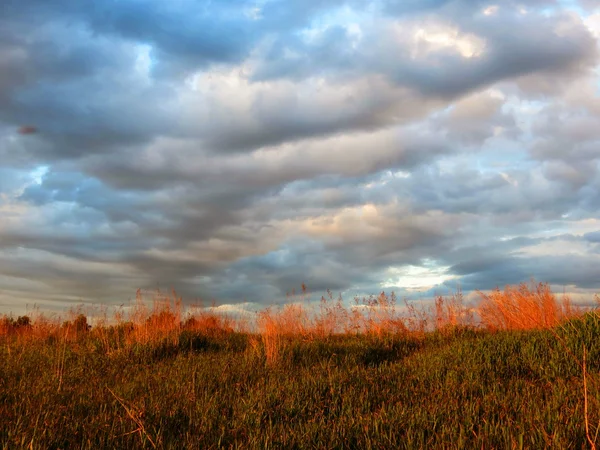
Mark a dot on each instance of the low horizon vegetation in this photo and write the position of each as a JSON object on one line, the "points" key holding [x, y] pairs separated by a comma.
{"points": [[520, 307], [519, 369]]}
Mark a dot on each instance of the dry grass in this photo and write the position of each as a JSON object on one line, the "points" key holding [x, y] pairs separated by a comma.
{"points": [[154, 317], [525, 307], [159, 317], [378, 317], [275, 326], [374, 374]]}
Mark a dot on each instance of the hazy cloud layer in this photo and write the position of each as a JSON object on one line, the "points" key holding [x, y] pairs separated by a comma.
{"points": [[233, 150]]}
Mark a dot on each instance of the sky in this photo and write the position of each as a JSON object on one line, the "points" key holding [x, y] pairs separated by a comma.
{"points": [[233, 150]]}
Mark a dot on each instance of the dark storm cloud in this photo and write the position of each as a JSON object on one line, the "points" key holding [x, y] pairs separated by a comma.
{"points": [[296, 263], [533, 45], [593, 236], [568, 141], [251, 174], [200, 33], [74, 88], [234, 150], [184, 35], [467, 189], [90, 196], [499, 262], [560, 270], [350, 257], [78, 89]]}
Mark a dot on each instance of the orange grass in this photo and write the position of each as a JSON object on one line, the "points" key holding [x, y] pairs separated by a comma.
{"points": [[525, 307], [156, 316]]}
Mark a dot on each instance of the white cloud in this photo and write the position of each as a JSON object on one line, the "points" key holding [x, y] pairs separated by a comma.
{"points": [[348, 147], [490, 10], [432, 37], [417, 278], [592, 22]]}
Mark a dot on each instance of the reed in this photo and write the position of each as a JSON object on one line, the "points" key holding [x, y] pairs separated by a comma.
{"points": [[377, 373], [525, 307]]}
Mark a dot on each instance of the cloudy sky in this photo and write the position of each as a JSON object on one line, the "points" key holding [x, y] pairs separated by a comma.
{"points": [[235, 149]]}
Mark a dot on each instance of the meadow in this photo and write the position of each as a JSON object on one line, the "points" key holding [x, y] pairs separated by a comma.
{"points": [[519, 369]]}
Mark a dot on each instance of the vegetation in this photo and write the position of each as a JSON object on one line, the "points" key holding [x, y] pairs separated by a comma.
{"points": [[519, 370]]}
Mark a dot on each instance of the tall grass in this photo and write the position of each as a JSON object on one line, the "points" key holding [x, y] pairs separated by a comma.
{"points": [[161, 317], [465, 388], [525, 307], [520, 369]]}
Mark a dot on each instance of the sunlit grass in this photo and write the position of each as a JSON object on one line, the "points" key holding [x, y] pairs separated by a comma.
{"points": [[518, 370], [524, 307]]}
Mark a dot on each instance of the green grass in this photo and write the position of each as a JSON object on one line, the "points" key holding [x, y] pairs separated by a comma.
{"points": [[462, 388]]}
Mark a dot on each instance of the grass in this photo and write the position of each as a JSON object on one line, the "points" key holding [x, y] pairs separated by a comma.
{"points": [[373, 376]]}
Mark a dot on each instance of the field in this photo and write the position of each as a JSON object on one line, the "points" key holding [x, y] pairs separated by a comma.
{"points": [[521, 370]]}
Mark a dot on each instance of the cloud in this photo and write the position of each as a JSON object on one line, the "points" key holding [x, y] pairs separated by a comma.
{"points": [[234, 150]]}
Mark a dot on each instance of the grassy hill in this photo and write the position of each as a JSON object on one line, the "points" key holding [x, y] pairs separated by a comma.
{"points": [[203, 385]]}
